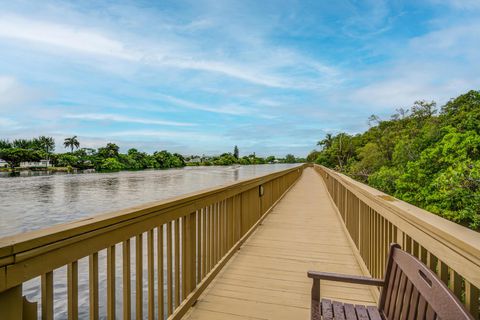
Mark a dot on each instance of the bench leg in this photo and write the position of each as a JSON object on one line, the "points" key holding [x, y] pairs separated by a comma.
{"points": [[315, 307]]}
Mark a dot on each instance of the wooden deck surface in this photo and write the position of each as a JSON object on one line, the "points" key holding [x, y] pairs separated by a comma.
{"points": [[267, 278]]}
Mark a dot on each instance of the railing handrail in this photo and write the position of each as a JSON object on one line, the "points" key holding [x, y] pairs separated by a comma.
{"points": [[20, 247], [438, 233]]}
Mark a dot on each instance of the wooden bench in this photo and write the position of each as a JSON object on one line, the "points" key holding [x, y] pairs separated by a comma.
{"points": [[410, 290]]}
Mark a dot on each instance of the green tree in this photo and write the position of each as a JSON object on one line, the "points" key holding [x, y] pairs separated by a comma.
{"points": [[429, 160], [71, 143], [290, 158], [327, 142], [270, 159], [236, 153], [5, 144], [111, 164], [109, 151], [46, 144], [13, 156], [23, 144], [312, 156]]}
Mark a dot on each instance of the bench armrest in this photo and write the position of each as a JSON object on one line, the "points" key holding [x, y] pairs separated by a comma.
{"points": [[345, 278]]}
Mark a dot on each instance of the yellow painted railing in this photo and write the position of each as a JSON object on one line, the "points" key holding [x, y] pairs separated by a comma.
{"points": [[186, 241], [374, 219]]}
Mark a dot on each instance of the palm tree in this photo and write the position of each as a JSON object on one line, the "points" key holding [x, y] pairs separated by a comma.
{"points": [[47, 144], [327, 142], [72, 143]]}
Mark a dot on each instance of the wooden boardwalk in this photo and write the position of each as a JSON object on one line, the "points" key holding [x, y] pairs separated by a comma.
{"points": [[267, 278]]}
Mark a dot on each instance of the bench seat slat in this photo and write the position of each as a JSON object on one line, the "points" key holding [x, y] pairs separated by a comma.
{"points": [[338, 311], [350, 313], [362, 313], [327, 311], [374, 313]]}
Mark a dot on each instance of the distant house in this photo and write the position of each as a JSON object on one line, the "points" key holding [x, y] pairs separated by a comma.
{"points": [[3, 163], [195, 160], [33, 164]]}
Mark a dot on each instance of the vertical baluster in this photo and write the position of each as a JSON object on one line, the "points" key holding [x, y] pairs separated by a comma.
{"points": [[198, 252], [415, 249], [212, 230], [111, 282], [151, 277], [471, 299], [185, 249], [370, 241], [432, 262], [177, 262], [160, 287], [231, 217], [93, 285], [204, 242], [192, 252], [207, 240], [442, 271], [127, 303], [139, 276], [217, 233], [221, 229], [375, 244], [72, 280], [47, 296], [423, 255], [455, 283], [383, 249], [214, 235], [169, 269]]}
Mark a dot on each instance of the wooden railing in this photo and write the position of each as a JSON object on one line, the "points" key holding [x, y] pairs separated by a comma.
{"points": [[186, 241], [374, 220]]}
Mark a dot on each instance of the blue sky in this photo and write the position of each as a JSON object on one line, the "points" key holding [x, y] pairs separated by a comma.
{"points": [[198, 77]]}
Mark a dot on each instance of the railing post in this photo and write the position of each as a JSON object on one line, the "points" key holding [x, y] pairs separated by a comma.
{"points": [[11, 303]]}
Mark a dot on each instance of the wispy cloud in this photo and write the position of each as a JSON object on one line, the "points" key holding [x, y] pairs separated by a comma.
{"points": [[63, 36], [121, 118], [13, 93], [164, 134], [11, 124], [162, 54], [230, 109]]}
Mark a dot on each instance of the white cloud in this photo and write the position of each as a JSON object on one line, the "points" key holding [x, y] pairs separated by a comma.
{"points": [[13, 93], [230, 109], [164, 134], [83, 40], [121, 118], [436, 66], [262, 65], [8, 123], [459, 4]]}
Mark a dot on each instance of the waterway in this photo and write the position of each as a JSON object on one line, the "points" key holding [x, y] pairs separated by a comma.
{"points": [[35, 202]]}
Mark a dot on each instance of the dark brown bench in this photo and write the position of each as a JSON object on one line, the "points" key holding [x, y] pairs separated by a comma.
{"points": [[410, 290]]}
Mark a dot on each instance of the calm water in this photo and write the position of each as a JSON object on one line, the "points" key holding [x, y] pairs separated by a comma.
{"points": [[29, 203]]}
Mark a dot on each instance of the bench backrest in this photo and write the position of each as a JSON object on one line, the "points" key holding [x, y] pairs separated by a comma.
{"points": [[413, 291]]}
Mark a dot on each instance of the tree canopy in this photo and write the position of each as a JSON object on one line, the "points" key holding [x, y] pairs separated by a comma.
{"points": [[427, 159]]}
